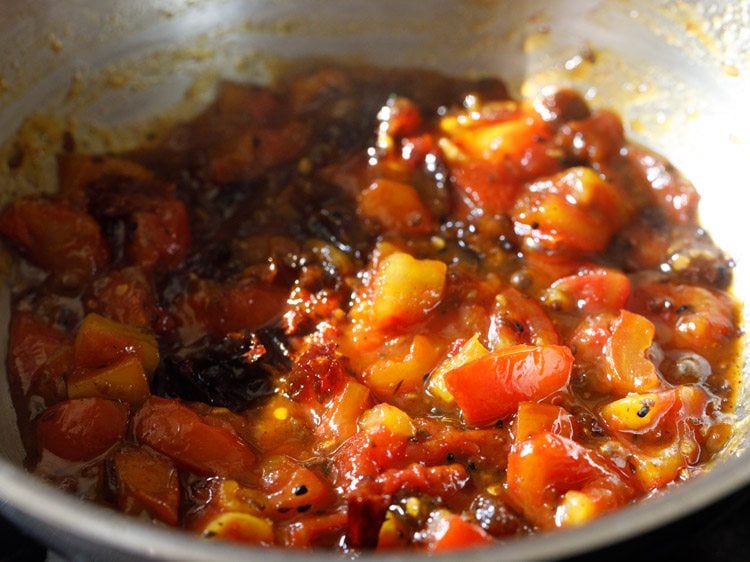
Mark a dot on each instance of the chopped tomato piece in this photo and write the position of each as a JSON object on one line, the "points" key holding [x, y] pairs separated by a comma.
{"points": [[385, 416], [595, 139], [470, 350], [256, 150], [490, 388], [365, 455], [161, 234], [178, 432], [590, 336], [627, 367], [32, 343], [406, 289], [317, 530], [590, 290], [520, 141], [124, 380], [240, 527], [147, 482], [687, 316], [575, 211], [675, 195], [339, 420], [543, 468], [101, 342], [124, 296], [223, 308], [57, 237], [438, 444], [397, 373], [536, 418], [487, 186], [293, 489], [82, 429], [399, 117], [448, 532], [662, 429], [518, 319], [396, 207], [439, 481]]}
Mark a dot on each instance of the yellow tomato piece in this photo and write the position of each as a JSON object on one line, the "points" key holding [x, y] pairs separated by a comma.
{"points": [[125, 381], [402, 374], [101, 342], [575, 509], [240, 527], [391, 534], [492, 142], [659, 469], [386, 416], [472, 349], [406, 289], [533, 418], [637, 412]]}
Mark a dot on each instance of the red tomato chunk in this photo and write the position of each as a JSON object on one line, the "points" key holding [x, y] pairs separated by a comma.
{"points": [[370, 310]]}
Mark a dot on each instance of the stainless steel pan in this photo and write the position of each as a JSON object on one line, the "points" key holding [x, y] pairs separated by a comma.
{"points": [[678, 71]]}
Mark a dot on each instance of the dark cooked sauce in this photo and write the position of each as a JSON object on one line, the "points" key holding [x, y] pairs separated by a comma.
{"points": [[371, 309]]}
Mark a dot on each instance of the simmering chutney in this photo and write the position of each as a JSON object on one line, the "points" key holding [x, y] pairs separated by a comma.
{"points": [[371, 309]]}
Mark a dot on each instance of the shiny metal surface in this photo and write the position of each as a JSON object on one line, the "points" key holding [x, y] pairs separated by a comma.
{"points": [[678, 71]]}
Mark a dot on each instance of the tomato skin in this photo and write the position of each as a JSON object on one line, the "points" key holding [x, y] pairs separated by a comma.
{"points": [[546, 466], [178, 432], [490, 388], [83, 428], [590, 291]]}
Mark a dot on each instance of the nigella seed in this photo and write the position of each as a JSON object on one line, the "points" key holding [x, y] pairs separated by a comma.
{"points": [[303, 508], [643, 412], [300, 490]]}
